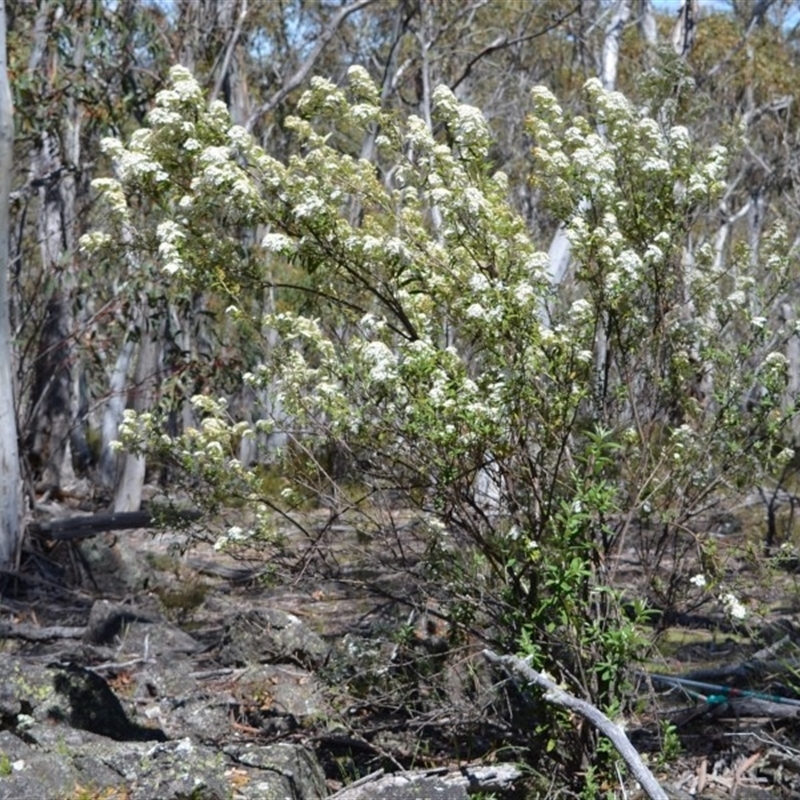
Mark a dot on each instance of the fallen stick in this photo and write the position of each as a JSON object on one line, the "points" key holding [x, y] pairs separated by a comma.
{"points": [[556, 695], [33, 633]]}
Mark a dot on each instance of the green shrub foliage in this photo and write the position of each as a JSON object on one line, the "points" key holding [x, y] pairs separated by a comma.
{"points": [[411, 325]]}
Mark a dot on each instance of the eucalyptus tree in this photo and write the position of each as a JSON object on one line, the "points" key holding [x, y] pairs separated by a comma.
{"points": [[11, 488], [81, 72]]}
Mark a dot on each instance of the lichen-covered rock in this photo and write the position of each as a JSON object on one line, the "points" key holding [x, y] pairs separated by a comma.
{"points": [[132, 631], [27, 771], [85, 701], [269, 635], [114, 568], [279, 772], [272, 699], [178, 770], [57, 762]]}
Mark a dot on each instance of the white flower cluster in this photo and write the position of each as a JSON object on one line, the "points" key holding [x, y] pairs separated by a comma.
{"points": [[466, 122], [362, 86], [683, 441], [776, 361], [615, 160], [171, 237], [133, 432], [94, 241], [136, 162], [114, 196], [234, 536], [382, 362], [733, 606], [279, 244]]}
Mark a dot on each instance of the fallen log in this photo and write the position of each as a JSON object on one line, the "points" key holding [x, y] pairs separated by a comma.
{"points": [[85, 525], [426, 783]]}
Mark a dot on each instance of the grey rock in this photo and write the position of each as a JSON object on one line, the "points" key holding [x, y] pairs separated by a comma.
{"points": [[34, 774], [85, 701], [178, 770], [135, 633], [279, 772], [108, 621], [114, 568], [269, 635]]}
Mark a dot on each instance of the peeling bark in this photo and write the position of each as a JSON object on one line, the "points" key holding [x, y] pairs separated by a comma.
{"points": [[10, 484], [128, 495]]}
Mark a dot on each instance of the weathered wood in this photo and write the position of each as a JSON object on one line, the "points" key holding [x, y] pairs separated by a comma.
{"points": [[34, 633], [432, 783], [556, 695], [86, 525], [739, 707], [11, 483]]}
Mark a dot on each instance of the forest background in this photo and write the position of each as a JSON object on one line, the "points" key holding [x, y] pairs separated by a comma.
{"points": [[526, 313]]}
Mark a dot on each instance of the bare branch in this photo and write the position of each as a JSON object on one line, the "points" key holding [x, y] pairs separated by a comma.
{"points": [[502, 42], [233, 39], [302, 71], [556, 695]]}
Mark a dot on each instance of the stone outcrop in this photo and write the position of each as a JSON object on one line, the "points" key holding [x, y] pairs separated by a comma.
{"points": [[131, 706]]}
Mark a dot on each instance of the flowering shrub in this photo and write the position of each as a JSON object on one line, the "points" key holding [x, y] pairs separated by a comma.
{"points": [[527, 426]]}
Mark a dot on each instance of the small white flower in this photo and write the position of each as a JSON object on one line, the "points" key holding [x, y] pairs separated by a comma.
{"points": [[580, 308], [383, 361], [278, 243], [785, 455], [776, 359], [733, 606], [478, 282], [523, 293], [698, 580], [737, 298]]}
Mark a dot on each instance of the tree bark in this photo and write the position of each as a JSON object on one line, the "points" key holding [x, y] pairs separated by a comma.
{"points": [[54, 403], [611, 44], [128, 496], [10, 483], [112, 415]]}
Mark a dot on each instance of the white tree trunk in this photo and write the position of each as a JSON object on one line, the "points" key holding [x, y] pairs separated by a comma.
{"points": [[128, 496], [789, 319], [647, 23], [112, 414], [10, 483], [684, 31], [611, 43]]}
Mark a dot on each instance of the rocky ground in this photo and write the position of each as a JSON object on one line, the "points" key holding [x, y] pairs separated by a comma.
{"points": [[136, 670]]}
